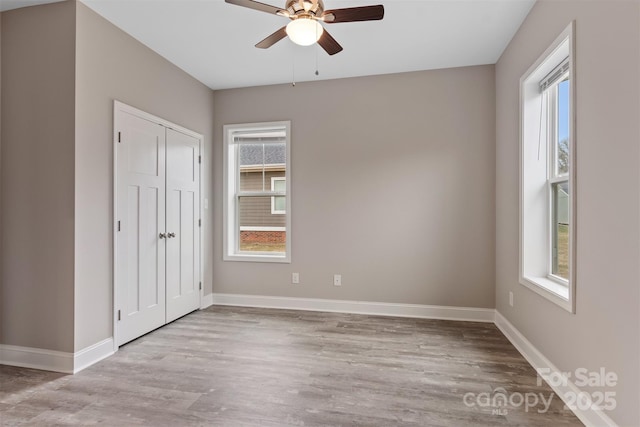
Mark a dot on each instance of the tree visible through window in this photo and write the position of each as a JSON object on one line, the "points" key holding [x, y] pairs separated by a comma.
{"points": [[559, 177]]}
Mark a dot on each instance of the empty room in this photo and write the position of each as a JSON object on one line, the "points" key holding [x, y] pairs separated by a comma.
{"points": [[320, 212]]}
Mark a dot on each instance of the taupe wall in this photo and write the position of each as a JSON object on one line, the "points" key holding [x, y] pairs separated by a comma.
{"points": [[38, 73], [1, 298], [604, 332], [112, 65], [393, 187]]}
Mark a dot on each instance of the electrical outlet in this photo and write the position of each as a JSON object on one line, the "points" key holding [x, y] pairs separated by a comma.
{"points": [[295, 278], [337, 280], [511, 298]]}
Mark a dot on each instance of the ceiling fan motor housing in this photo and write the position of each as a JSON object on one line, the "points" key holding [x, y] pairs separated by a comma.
{"points": [[304, 8]]}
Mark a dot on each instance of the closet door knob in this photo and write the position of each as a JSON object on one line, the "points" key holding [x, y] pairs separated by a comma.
{"points": [[162, 235], [170, 235]]}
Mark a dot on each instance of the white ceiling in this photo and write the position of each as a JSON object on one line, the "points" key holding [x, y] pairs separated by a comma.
{"points": [[214, 41]]}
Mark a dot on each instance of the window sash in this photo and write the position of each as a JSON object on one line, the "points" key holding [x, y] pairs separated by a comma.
{"points": [[265, 140], [238, 227], [552, 129], [559, 74], [553, 235]]}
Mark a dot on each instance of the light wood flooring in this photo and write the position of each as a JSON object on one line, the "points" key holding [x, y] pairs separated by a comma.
{"points": [[229, 366]]}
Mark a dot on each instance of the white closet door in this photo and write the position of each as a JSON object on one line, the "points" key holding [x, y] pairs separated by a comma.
{"points": [[183, 207], [141, 189]]}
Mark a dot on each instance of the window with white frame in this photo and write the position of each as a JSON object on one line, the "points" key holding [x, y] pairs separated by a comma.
{"points": [[257, 192], [547, 174], [278, 203]]}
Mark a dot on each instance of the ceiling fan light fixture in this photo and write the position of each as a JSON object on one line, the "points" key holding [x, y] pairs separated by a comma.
{"points": [[304, 31]]}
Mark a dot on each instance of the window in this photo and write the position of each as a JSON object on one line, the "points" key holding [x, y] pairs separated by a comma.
{"points": [[547, 174], [257, 192], [558, 182], [278, 203]]}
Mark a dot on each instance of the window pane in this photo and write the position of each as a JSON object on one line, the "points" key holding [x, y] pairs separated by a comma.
{"points": [[260, 230], [279, 185], [258, 163], [562, 137], [279, 203], [560, 235], [251, 159]]}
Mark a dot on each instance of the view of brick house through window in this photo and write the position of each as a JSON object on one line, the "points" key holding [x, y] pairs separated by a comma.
{"points": [[262, 219]]}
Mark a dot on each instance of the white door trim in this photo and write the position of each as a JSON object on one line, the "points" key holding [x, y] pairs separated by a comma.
{"points": [[120, 107]]}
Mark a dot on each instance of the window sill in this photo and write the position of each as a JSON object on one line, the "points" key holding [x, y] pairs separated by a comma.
{"points": [[549, 289], [283, 259]]}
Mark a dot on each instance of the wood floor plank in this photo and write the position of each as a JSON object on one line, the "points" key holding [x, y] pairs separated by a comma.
{"points": [[231, 366]]}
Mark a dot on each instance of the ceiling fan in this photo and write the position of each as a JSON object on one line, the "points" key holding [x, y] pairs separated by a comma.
{"points": [[306, 15]]}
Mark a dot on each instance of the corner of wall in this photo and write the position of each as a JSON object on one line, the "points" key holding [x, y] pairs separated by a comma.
{"points": [[37, 95]]}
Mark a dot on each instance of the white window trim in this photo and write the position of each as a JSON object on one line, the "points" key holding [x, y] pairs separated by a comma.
{"points": [[231, 232], [275, 211], [546, 285]]}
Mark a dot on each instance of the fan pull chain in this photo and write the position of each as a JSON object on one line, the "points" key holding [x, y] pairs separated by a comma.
{"points": [[317, 48], [293, 68]]}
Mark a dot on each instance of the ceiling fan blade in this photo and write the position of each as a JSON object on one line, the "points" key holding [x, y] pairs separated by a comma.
{"points": [[273, 38], [352, 14], [329, 44], [257, 6]]}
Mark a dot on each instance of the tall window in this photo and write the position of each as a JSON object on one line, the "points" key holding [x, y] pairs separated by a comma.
{"points": [[547, 174], [257, 208], [558, 108]]}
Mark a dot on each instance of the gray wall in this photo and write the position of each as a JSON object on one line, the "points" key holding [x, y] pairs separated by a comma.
{"points": [[1, 291], [38, 72], [112, 65], [604, 332], [392, 187]]}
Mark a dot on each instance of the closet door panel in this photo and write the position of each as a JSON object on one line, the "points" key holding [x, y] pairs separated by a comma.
{"points": [[183, 208], [140, 262]]}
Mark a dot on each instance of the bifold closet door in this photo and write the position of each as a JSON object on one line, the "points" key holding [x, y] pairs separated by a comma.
{"points": [[183, 214], [140, 260]]}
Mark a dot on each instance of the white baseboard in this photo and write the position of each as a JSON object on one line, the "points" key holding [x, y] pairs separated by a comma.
{"points": [[56, 361], [469, 314], [590, 417], [36, 358], [206, 301], [93, 354]]}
